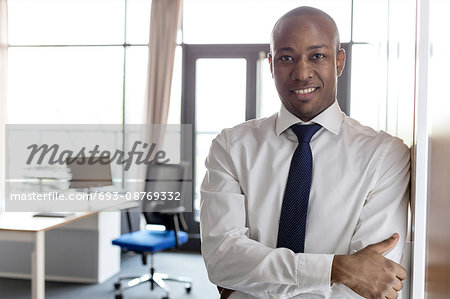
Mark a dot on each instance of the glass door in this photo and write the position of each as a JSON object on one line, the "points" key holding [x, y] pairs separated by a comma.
{"points": [[219, 91], [220, 103]]}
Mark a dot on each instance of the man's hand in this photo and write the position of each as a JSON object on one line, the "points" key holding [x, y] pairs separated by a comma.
{"points": [[368, 273]]}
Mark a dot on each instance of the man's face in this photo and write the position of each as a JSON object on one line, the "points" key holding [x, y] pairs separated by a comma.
{"points": [[305, 64]]}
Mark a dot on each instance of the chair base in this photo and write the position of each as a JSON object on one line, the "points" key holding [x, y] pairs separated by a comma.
{"points": [[154, 278]]}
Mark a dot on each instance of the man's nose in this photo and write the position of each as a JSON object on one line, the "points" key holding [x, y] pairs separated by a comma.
{"points": [[302, 71]]}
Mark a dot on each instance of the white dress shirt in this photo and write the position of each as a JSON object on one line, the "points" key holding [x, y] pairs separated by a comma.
{"points": [[359, 195]]}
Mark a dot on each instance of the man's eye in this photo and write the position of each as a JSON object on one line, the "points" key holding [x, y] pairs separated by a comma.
{"points": [[286, 58], [318, 56]]}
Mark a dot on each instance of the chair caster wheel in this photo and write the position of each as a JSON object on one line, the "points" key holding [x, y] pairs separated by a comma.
{"points": [[119, 296], [188, 290], [165, 297], [117, 285]]}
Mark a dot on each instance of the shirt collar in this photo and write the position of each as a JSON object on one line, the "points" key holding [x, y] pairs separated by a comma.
{"points": [[331, 119]]}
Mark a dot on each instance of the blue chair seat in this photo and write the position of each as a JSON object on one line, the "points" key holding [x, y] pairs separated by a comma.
{"points": [[150, 241]]}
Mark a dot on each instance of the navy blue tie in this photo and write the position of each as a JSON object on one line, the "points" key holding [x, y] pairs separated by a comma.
{"points": [[291, 231]]}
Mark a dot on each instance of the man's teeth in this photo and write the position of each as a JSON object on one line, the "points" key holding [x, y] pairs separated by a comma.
{"points": [[304, 91]]}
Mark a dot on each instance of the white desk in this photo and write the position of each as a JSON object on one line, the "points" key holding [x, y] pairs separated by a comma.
{"points": [[26, 228], [23, 227]]}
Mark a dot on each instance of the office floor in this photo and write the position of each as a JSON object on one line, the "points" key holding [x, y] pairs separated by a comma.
{"points": [[186, 264]]}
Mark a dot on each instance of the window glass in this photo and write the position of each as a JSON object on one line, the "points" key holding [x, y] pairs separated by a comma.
{"points": [[135, 84], [220, 93], [220, 103], [370, 20], [401, 69], [69, 22], [269, 101], [66, 85], [250, 21], [138, 21], [368, 93]]}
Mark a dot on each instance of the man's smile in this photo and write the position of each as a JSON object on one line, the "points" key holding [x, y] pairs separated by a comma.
{"points": [[305, 93]]}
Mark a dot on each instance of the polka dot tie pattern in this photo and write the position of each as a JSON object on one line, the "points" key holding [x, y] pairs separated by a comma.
{"points": [[294, 210]]}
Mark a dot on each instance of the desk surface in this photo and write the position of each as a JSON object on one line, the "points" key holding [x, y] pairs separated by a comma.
{"points": [[24, 221], [23, 227]]}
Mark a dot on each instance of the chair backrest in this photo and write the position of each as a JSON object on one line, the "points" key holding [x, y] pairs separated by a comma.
{"points": [[164, 187]]}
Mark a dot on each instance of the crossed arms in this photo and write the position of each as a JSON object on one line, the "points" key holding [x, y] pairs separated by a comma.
{"points": [[238, 262]]}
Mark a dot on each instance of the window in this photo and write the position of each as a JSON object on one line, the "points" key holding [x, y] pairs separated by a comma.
{"points": [[382, 81], [77, 61]]}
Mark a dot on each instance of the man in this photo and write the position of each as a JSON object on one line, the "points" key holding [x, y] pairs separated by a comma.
{"points": [[257, 240]]}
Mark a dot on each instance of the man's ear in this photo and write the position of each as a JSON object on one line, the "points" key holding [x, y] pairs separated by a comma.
{"points": [[269, 56], [340, 62]]}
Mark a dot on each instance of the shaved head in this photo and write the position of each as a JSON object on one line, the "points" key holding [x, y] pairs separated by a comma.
{"points": [[306, 11]]}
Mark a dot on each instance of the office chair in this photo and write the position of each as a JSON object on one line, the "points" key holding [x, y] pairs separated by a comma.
{"points": [[159, 178]]}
